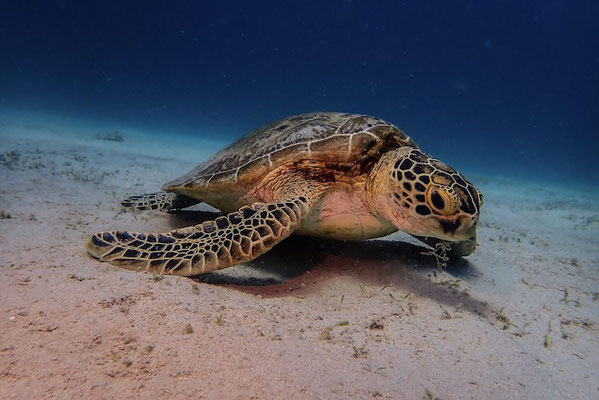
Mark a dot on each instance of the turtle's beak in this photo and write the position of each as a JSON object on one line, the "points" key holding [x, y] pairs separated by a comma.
{"points": [[457, 228], [450, 226]]}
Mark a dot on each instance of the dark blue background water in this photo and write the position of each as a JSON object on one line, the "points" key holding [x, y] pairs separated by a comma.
{"points": [[501, 86]]}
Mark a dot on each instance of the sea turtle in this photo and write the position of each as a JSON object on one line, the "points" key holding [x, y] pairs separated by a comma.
{"points": [[335, 175]]}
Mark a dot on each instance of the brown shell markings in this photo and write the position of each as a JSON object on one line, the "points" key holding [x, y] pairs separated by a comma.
{"points": [[327, 136]]}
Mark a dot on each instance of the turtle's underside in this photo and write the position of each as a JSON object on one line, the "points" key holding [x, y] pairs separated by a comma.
{"points": [[336, 175]]}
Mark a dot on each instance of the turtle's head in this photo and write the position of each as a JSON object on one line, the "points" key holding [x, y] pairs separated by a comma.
{"points": [[423, 196]]}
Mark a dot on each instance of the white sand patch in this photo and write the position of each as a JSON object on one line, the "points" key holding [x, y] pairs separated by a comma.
{"points": [[100, 135]]}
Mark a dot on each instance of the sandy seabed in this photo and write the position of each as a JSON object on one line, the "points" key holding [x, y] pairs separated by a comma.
{"points": [[312, 319]]}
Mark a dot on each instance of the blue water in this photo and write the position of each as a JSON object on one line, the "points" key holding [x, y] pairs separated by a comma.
{"points": [[503, 88]]}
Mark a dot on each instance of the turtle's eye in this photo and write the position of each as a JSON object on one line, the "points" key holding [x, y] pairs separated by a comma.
{"points": [[442, 200]]}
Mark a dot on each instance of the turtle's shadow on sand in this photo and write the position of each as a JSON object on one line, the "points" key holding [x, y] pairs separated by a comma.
{"points": [[299, 265], [297, 255]]}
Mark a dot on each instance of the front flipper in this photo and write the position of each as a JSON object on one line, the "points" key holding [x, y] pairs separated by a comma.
{"points": [[161, 201], [238, 237]]}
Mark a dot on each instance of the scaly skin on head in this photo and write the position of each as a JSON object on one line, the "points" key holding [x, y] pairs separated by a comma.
{"points": [[423, 196]]}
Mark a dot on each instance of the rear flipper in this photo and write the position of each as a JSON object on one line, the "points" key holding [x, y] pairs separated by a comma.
{"points": [[161, 201]]}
